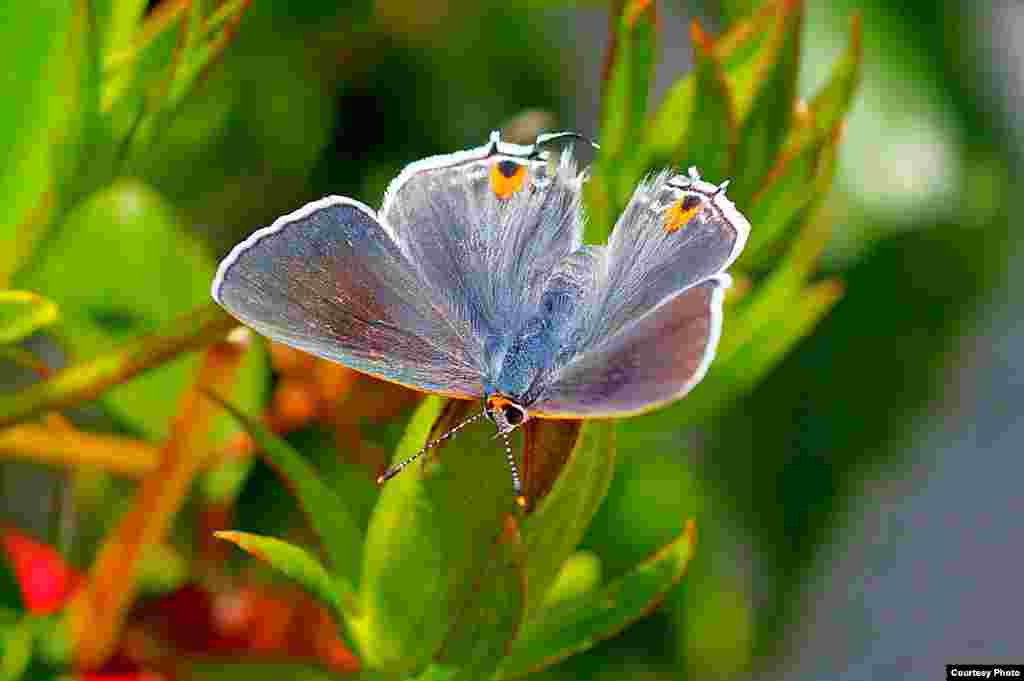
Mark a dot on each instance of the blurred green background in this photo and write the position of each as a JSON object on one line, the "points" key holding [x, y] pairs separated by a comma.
{"points": [[833, 500]]}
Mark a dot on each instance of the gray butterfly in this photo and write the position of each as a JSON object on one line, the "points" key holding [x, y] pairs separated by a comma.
{"points": [[472, 281]]}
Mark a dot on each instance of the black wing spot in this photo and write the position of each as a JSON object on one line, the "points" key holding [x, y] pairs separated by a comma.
{"points": [[508, 168]]}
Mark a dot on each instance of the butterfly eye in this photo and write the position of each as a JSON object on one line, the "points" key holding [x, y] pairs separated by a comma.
{"points": [[513, 414]]}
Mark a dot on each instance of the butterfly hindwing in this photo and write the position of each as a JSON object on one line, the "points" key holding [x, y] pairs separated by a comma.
{"points": [[651, 327], [650, 361]]}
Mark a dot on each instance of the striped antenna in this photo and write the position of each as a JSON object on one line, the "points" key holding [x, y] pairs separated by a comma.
{"points": [[398, 467], [517, 484]]}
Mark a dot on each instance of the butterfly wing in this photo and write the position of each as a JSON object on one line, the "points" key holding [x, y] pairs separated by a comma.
{"points": [[330, 279], [651, 327], [486, 226], [652, 361]]}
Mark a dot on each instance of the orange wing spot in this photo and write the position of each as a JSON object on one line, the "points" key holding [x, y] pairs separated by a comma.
{"points": [[681, 212], [507, 177]]}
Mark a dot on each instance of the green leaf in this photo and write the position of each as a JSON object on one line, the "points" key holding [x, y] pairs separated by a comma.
{"points": [[84, 381], [787, 192], [16, 645], [117, 21], [570, 627], [35, 38], [579, 575], [430, 537], [765, 124], [735, 57], [22, 313], [156, 271], [150, 77], [734, 10], [489, 620], [709, 135], [328, 516], [624, 109], [295, 563], [832, 102], [554, 530]]}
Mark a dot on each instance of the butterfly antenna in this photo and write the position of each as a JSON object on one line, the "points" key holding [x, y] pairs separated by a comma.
{"points": [[517, 484], [398, 467]]}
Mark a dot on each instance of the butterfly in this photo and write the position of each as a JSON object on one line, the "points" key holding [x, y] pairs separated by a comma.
{"points": [[472, 281]]}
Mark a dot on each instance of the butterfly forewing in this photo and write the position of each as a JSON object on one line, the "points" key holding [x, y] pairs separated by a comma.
{"points": [[330, 280], [676, 231], [485, 227]]}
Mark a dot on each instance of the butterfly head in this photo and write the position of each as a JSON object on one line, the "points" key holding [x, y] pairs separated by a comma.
{"points": [[505, 413]]}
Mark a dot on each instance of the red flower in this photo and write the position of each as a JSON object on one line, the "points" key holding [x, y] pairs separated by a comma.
{"points": [[46, 581]]}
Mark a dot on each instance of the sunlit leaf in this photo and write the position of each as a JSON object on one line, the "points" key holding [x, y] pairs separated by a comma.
{"points": [[430, 537], [489, 620], [328, 515], [43, 45], [578, 576], [295, 563], [22, 313], [787, 191], [572, 626], [553, 531]]}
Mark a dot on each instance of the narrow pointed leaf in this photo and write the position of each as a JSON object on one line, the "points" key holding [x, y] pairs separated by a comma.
{"points": [[430, 537], [488, 622], [22, 313], [766, 122], [734, 10], [787, 191], [735, 54], [832, 102], [67, 446], [91, 378], [709, 140], [36, 39], [295, 563], [555, 528], [573, 626], [630, 69], [328, 515]]}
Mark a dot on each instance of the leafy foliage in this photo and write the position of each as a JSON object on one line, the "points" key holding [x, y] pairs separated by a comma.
{"points": [[439, 575]]}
